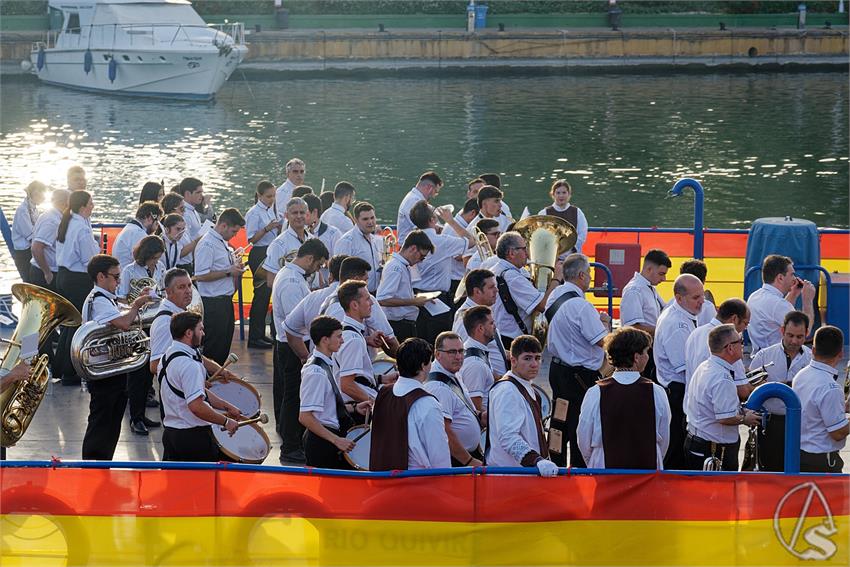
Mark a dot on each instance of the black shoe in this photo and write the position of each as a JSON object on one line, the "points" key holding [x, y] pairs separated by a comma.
{"points": [[151, 403], [150, 422], [259, 344], [296, 457], [268, 340], [138, 427], [71, 381]]}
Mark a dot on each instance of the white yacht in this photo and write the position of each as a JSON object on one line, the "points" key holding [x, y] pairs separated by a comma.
{"points": [[153, 48]]}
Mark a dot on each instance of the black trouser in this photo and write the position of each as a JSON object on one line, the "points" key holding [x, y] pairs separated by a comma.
{"points": [[37, 278], [22, 262], [75, 287], [194, 444], [476, 453], [190, 268], [649, 369], [286, 392], [570, 383], [675, 457], [106, 411], [138, 383], [821, 462], [771, 444], [219, 324], [324, 454], [697, 450], [262, 294], [404, 329], [429, 326]]}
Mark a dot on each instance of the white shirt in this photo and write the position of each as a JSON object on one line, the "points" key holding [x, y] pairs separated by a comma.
{"points": [[496, 352], [79, 246], [503, 219], [640, 303], [476, 373], [193, 221], [524, 294], [368, 247], [458, 411], [436, 269], [160, 331], [335, 216], [396, 283], [101, 309], [712, 396], [329, 236], [767, 313], [300, 318], [23, 224], [257, 218], [376, 321], [458, 268], [822, 400], [187, 374], [581, 223], [575, 329], [781, 371], [674, 327], [511, 424], [317, 394], [288, 290], [427, 443], [46, 228], [589, 430], [134, 272], [403, 224], [353, 358], [697, 352], [281, 247], [171, 257], [213, 254], [282, 195], [127, 239]]}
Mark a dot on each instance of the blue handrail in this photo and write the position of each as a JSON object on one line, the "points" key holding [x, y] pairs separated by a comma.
{"points": [[792, 418], [699, 200], [609, 285]]}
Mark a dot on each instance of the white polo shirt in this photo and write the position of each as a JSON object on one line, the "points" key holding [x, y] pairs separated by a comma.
{"points": [[23, 224], [289, 288], [767, 313], [134, 271], [353, 356], [102, 308], [575, 329], [186, 374], [396, 283], [503, 220], [476, 373], [511, 424], [257, 218], [822, 400], [79, 246], [193, 221], [282, 195], [524, 294], [317, 394], [300, 318], [403, 223], [160, 331], [369, 247], [673, 328], [335, 216], [46, 228], [640, 303], [213, 254], [783, 369], [697, 352], [376, 321], [458, 411], [436, 269], [497, 355], [427, 443], [329, 235], [127, 239], [171, 256], [282, 246], [712, 396], [458, 267]]}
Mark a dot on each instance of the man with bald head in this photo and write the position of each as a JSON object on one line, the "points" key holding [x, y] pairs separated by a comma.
{"points": [[672, 330]]}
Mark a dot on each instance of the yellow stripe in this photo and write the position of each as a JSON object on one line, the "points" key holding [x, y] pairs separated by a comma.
{"points": [[128, 540]]}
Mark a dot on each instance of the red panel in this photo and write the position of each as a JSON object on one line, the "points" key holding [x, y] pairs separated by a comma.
{"points": [[111, 234], [725, 246], [622, 259], [835, 246], [240, 240]]}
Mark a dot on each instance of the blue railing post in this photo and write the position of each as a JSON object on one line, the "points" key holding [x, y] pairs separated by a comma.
{"points": [[699, 202], [609, 284], [792, 418]]}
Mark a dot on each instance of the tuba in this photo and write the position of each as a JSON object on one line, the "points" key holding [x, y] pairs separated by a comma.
{"points": [[546, 237], [136, 287], [101, 351], [41, 312]]}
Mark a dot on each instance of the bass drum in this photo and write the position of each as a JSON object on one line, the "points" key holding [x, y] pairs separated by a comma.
{"points": [[239, 393], [382, 364], [359, 456], [249, 444]]}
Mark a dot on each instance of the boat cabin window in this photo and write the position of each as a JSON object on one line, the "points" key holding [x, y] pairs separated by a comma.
{"points": [[73, 25], [55, 18]]}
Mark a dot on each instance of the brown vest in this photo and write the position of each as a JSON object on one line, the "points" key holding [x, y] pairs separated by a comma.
{"points": [[627, 412], [570, 215], [389, 447]]}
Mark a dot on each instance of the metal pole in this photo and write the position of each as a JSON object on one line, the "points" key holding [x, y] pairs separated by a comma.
{"points": [[699, 199], [792, 418]]}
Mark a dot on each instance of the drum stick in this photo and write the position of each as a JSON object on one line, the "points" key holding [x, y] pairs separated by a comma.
{"points": [[384, 342], [231, 358], [262, 418], [362, 435]]}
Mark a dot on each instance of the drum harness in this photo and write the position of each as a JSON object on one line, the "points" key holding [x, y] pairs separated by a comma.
{"points": [[360, 379], [163, 375], [343, 417]]}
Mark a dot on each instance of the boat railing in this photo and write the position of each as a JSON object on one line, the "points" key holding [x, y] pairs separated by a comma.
{"points": [[116, 36]]}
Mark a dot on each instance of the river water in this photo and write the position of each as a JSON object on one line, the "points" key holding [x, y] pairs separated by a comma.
{"points": [[762, 144]]}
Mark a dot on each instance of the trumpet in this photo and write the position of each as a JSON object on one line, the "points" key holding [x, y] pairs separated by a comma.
{"points": [[390, 244], [758, 376], [288, 257]]}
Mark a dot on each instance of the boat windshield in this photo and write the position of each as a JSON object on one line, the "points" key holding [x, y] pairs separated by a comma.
{"points": [[147, 14]]}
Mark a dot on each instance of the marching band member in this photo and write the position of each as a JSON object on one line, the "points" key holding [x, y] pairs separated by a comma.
{"points": [[302, 191], [192, 191], [824, 427], [218, 273], [624, 421], [775, 298], [323, 412], [109, 395], [561, 193], [425, 446], [174, 206], [518, 299], [459, 413], [172, 203], [490, 207], [699, 269], [43, 265], [426, 188], [786, 358], [189, 408], [337, 215], [151, 191], [468, 212], [490, 228], [76, 178], [362, 242], [474, 186], [576, 332], [295, 171], [712, 404], [288, 241], [146, 219], [326, 233], [515, 426], [261, 227], [310, 307], [477, 372], [23, 227], [75, 246], [672, 330], [289, 288], [173, 229], [481, 290], [395, 292]]}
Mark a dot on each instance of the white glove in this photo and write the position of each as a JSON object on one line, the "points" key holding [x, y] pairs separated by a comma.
{"points": [[547, 468]]}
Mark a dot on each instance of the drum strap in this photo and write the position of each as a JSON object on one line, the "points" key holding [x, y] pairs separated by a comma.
{"points": [[163, 375], [553, 309], [473, 352], [455, 387], [94, 296], [362, 380], [342, 415]]}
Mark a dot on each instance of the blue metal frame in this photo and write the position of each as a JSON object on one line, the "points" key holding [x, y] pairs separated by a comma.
{"points": [[699, 204], [609, 284], [792, 418]]}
